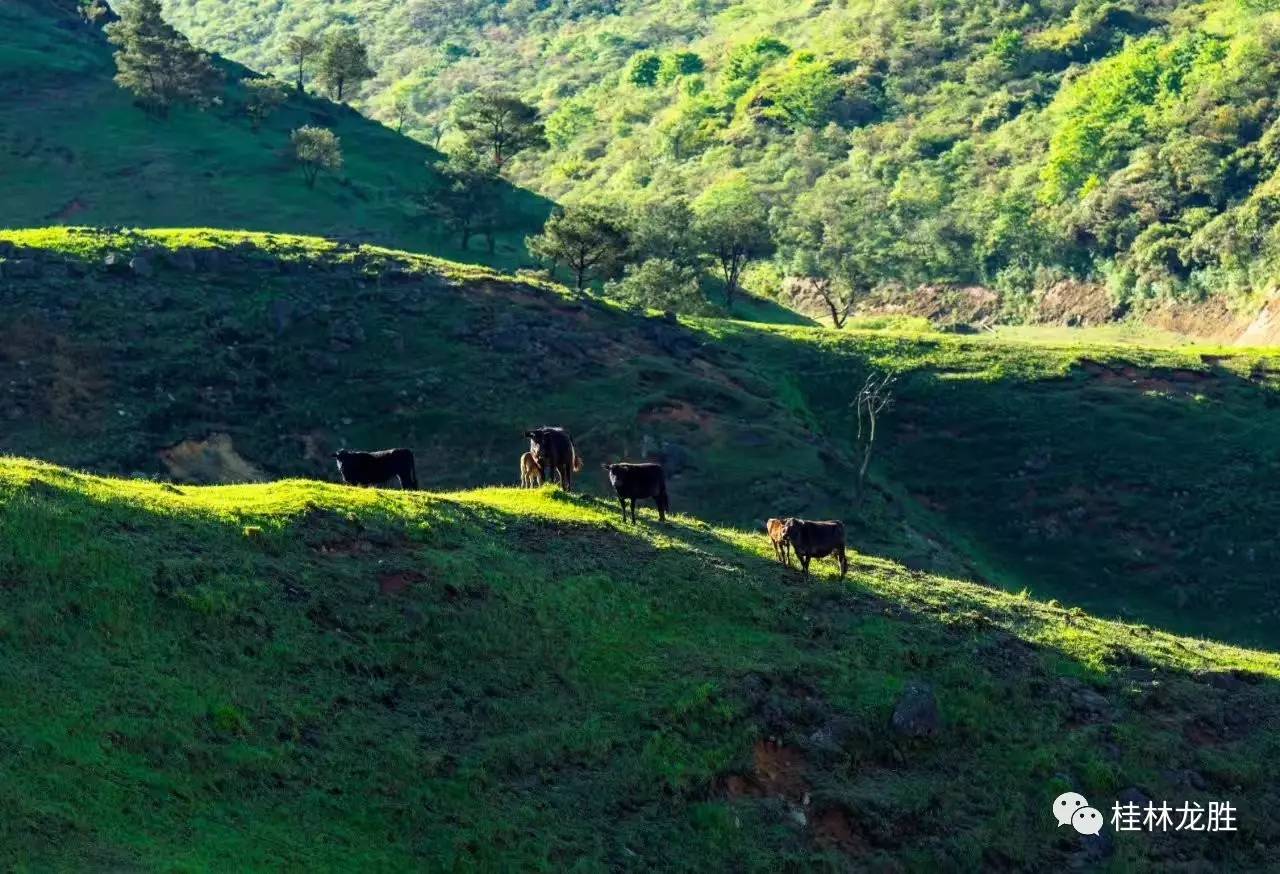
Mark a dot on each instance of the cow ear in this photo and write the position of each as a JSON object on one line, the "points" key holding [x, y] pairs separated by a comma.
{"points": [[529, 434]]}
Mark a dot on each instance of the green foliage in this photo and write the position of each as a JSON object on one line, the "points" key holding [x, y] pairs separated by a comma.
{"points": [[679, 63], [574, 118], [343, 62], [157, 63], [316, 149], [300, 49], [263, 96], [469, 200], [644, 68], [659, 284], [800, 94], [102, 162], [732, 224], [589, 239], [746, 61], [499, 124], [969, 141]]}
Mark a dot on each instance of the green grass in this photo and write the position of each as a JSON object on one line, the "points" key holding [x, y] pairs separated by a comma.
{"points": [[301, 675], [75, 150], [1125, 480], [1120, 479]]}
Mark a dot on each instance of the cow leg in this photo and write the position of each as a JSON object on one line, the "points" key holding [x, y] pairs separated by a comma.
{"points": [[804, 565], [623, 503], [844, 562], [633, 511], [566, 476], [662, 517]]}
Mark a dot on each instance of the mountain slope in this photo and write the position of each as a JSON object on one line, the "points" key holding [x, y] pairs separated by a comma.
{"points": [[73, 149], [1124, 480], [1129, 145], [303, 675]]}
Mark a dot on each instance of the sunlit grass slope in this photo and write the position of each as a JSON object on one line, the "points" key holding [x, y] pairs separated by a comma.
{"points": [[74, 149], [1129, 481], [301, 675]]}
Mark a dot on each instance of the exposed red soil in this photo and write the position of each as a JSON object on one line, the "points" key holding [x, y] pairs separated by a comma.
{"points": [[393, 583]]}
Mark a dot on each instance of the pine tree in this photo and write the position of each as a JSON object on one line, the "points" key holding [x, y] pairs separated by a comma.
{"points": [[157, 63], [344, 60]]}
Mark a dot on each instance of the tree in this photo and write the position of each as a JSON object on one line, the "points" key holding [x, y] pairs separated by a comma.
{"points": [[643, 70], [677, 64], [263, 96], [157, 63], [468, 197], [316, 149], [344, 60], [659, 284], [586, 239], [874, 399], [663, 228], [500, 125], [299, 48], [733, 226]]}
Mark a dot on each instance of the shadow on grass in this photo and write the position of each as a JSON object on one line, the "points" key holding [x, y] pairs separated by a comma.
{"points": [[1133, 486]]}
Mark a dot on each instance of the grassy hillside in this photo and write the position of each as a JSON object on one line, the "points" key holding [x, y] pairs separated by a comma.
{"points": [[74, 149], [1117, 478], [1128, 144], [306, 676]]}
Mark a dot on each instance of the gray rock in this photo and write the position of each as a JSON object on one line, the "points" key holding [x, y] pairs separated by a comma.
{"points": [[916, 713], [181, 260], [140, 266], [115, 262]]}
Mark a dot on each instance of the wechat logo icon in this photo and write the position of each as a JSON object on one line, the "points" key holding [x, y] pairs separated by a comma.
{"points": [[1072, 808]]}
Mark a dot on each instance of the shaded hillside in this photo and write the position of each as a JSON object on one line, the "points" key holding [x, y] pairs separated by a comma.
{"points": [[305, 676], [74, 150], [1132, 482], [1121, 479]]}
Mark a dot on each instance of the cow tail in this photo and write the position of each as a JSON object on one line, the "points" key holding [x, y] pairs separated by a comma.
{"points": [[577, 459]]}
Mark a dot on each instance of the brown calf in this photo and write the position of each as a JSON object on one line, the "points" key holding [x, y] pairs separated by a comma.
{"points": [[530, 473], [781, 548]]}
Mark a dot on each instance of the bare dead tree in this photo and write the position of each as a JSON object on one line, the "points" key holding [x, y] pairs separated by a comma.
{"points": [[874, 400], [838, 303]]}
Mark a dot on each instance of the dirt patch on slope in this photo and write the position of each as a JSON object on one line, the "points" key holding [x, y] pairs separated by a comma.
{"points": [[211, 461], [1074, 303], [1164, 380]]}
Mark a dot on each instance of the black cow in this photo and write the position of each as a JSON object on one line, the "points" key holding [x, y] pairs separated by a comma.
{"points": [[375, 468], [816, 540], [554, 452], [632, 481]]}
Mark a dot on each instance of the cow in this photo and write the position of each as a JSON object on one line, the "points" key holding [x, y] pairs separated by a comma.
{"points": [[781, 548], [555, 455], [375, 468], [816, 540], [530, 473], [632, 481]]}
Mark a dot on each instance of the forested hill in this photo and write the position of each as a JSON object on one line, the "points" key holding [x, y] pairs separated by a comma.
{"points": [[76, 148], [1131, 145]]}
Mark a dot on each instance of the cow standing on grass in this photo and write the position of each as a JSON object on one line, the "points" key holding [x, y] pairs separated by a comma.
{"points": [[781, 548], [638, 481], [554, 453], [375, 468], [816, 540]]}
